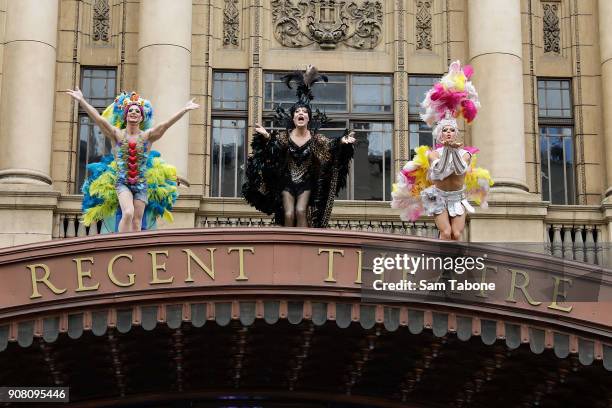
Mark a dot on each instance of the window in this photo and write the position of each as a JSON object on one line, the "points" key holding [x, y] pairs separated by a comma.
{"points": [[98, 86], [554, 99], [228, 148], [372, 174], [329, 97], [420, 132], [363, 103], [556, 141]]}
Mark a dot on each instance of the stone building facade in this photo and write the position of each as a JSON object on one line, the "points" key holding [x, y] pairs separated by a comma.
{"points": [[542, 67]]}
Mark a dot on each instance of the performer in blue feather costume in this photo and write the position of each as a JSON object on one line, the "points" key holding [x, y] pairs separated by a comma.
{"points": [[130, 189]]}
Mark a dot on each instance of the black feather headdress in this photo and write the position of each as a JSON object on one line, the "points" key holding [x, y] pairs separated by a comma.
{"points": [[303, 82]]}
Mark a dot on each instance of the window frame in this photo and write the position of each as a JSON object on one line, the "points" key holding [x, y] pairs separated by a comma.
{"points": [[350, 117], [558, 122], [81, 112], [228, 114]]}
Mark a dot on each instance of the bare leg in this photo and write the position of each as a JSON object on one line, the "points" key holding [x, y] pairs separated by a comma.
{"points": [[126, 202], [139, 208], [457, 226], [444, 225], [289, 208], [301, 208]]}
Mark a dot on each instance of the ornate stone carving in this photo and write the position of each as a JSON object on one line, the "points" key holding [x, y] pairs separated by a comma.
{"points": [[231, 23], [423, 25], [299, 23], [101, 20], [552, 32]]}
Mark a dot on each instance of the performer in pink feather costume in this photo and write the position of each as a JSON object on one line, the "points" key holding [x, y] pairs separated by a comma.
{"points": [[440, 181]]}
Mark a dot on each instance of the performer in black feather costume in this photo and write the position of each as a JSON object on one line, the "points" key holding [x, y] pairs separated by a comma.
{"points": [[296, 173]]}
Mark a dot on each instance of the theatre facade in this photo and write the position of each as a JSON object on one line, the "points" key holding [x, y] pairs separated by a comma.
{"points": [[220, 309], [542, 69], [288, 318]]}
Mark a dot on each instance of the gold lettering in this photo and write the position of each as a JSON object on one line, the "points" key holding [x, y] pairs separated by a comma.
{"points": [[157, 267], [209, 271], [562, 293], [330, 261], [84, 274], [483, 279], [44, 279], [359, 260], [241, 275], [111, 274], [522, 287]]}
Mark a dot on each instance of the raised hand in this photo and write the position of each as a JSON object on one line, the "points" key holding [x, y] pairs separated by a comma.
{"points": [[261, 130], [349, 139], [76, 94], [453, 144], [191, 105]]}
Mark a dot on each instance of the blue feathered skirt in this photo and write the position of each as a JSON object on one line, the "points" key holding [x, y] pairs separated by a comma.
{"points": [[100, 201]]}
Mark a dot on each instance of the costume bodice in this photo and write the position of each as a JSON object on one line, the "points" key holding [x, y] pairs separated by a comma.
{"points": [[299, 160], [132, 158]]}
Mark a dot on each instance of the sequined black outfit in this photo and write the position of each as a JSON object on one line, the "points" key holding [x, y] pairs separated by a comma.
{"points": [[277, 164], [298, 178]]}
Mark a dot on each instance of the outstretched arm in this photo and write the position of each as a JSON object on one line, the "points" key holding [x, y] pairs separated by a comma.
{"points": [[107, 129], [262, 131], [158, 131]]}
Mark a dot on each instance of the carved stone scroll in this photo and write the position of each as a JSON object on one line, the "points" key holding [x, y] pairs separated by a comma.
{"points": [[300, 23]]}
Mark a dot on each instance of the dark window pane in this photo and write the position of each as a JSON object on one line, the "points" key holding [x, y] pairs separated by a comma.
{"points": [[420, 134], [328, 97], [372, 161], [229, 90], [98, 86], [228, 152], [417, 88], [554, 99], [569, 169], [557, 167], [92, 147], [557, 158], [542, 102], [544, 165], [371, 93]]}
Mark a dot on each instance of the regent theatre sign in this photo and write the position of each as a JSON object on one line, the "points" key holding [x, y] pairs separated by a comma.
{"points": [[374, 268]]}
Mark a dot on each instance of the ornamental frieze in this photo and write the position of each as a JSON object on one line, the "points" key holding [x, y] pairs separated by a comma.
{"points": [[101, 20], [300, 23], [231, 23], [552, 32]]}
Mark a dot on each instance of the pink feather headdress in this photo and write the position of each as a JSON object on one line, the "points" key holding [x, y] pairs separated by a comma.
{"points": [[454, 96]]}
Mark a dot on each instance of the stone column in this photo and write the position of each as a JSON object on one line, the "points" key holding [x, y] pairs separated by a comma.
{"points": [[495, 52], [605, 44], [28, 91], [164, 72]]}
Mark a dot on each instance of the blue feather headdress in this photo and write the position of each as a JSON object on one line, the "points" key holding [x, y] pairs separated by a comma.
{"points": [[115, 113]]}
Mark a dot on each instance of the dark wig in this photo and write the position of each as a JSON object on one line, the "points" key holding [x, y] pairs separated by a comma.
{"points": [[295, 107]]}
